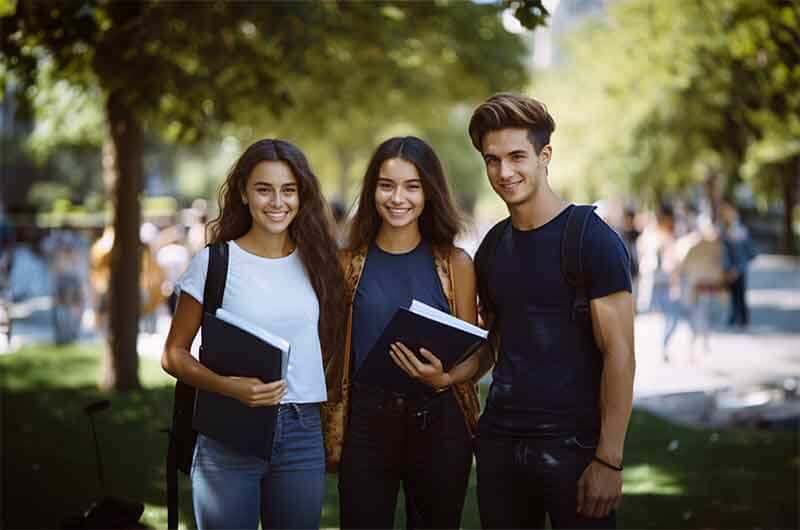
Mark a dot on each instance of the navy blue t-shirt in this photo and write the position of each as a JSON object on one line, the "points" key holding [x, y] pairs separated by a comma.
{"points": [[547, 380], [388, 282]]}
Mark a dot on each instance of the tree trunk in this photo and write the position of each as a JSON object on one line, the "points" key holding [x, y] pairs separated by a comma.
{"points": [[790, 182], [121, 362], [345, 157], [715, 186]]}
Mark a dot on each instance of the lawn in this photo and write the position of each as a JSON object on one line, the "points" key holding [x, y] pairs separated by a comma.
{"points": [[676, 477]]}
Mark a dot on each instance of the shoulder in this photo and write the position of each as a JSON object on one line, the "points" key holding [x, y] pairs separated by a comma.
{"points": [[492, 234], [460, 259], [600, 234]]}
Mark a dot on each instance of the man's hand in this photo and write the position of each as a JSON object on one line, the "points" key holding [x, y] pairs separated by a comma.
{"points": [[430, 373], [599, 491]]}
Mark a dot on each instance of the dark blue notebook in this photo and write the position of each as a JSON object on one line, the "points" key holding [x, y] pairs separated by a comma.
{"points": [[450, 344], [229, 350]]}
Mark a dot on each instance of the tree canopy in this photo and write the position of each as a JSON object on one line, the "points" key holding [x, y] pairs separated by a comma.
{"points": [[683, 90], [183, 72]]}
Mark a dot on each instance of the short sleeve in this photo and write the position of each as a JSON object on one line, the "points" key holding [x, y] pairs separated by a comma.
{"points": [[193, 280], [605, 259]]}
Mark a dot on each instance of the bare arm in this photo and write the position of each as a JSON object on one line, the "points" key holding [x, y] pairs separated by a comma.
{"points": [[600, 487], [178, 362]]}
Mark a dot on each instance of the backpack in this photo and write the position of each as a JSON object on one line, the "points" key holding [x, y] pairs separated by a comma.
{"points": [[182, 436], [571, 263]]}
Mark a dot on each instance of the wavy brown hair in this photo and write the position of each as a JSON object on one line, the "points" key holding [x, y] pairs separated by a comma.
{"points": [[310, 230], [506, 110], [440, 220]]}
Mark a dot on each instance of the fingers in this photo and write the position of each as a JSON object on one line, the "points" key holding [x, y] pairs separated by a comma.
{"points": [[598, 495], [255, 393], [401, 358], [432, 359]]}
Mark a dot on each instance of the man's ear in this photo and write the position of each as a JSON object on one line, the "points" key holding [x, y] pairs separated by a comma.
{"points": [[546, 153]]}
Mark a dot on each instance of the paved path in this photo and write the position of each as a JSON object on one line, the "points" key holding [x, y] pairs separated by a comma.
{"points": [[768, 350]]}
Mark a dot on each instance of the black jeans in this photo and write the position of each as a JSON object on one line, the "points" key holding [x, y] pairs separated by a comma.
{"points": [[519, 480], [740, 314], [423, 443]]}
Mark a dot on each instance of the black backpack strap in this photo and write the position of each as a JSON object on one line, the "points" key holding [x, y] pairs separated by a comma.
{"points": [[216, 276], [483, 266], [183, 405], [572, 257]]}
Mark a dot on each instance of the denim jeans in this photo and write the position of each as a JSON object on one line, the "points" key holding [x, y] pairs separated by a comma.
{"points": [[519, 480], [232, 490], [422, 443]]}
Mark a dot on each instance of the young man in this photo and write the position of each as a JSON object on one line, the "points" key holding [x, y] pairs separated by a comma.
{"points": [[551, 437]]}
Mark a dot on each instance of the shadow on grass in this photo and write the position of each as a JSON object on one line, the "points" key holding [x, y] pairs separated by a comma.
{"points": [[676, 477]]}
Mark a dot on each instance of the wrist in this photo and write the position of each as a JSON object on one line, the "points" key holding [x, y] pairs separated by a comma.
{"points": [[444, 383], [606, 463]]}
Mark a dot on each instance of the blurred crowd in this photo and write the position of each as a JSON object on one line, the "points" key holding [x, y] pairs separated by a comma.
{"points": [[71, 266], [684, 266], [688, 267]]}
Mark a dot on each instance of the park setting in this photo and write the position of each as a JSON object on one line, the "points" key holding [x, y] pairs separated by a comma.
{"points": [[678, 120]]}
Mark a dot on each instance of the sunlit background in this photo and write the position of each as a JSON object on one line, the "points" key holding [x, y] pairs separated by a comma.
{"points": [[120, 121]]}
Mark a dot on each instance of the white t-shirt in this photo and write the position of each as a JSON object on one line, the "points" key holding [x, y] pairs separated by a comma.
{"points": [[275, 294]]}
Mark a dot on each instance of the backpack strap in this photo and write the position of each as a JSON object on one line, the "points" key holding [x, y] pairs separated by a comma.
{"points": [[216, 277], [183, 404], [483, 265], [572, 255]]}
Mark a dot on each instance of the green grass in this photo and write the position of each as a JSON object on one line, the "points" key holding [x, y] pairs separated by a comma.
{"points": [[713, 479]]}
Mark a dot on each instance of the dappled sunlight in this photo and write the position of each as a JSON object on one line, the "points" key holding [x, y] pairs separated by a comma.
{"points": [[645, 478]]}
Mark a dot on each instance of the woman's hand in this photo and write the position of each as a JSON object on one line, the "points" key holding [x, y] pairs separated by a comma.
{"points": [[255, 393], [430, 373]]}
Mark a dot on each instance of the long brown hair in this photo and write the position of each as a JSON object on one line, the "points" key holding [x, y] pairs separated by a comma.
{"points": [[440, 221], [310, 230]]}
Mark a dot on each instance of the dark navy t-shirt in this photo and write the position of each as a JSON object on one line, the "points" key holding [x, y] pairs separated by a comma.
{"points": [[388, 282], [547, 380]]}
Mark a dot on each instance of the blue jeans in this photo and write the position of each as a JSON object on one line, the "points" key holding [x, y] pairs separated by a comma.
{"points": [[521, 479], [232, 490]]}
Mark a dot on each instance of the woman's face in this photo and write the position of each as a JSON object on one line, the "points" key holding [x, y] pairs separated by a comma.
{"points": [[272, 195], [399, 197]]}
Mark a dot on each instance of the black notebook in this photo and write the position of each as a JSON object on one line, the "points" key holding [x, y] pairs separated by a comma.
{"points": [[420, 326], [232, 350]]}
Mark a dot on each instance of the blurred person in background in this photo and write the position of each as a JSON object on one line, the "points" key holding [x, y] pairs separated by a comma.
{"points": [[738, 252], [196, 236], [66, 250], [658, 262], [150, 278], [703, 278], [630, 235]]}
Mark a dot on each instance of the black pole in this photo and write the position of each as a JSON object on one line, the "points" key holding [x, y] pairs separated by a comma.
{"points": [[90, 410], [97, 454]]}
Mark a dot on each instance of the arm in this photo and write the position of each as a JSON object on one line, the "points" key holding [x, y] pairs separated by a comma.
{"points": [[600, 488], [178, 362], [432, 373]]}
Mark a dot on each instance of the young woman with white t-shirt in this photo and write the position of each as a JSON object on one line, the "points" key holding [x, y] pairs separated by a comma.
{"points": [[283, 275]]}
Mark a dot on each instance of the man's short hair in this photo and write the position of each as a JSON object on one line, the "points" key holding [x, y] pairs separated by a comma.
{"points": [[507, 111]]}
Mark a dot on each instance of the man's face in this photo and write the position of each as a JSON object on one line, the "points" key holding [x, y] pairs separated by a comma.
{"points": [[512, 165]]}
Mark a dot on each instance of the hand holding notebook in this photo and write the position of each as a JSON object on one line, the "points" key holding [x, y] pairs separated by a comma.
{"points": [[234, 347], [447, 339]]}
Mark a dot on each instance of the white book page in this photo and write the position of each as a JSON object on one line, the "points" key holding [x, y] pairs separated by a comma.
{"points": [[432, 313]]}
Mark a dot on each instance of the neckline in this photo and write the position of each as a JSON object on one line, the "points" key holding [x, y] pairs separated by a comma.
{"points": [[406, 253], [551, 221], [257, 257]]}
